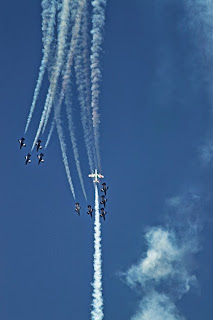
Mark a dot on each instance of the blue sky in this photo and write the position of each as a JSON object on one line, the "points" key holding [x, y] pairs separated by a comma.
{"points": [[156, 116]]}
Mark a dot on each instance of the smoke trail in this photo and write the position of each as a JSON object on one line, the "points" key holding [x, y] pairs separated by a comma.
{"points": [[62, 37], [48, 29], [73, 141], [82, 73], [66, 77], [98, 21], [97, 303], [63, 150], [50, 133]]}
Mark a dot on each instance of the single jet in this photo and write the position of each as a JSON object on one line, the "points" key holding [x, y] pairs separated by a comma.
{"points": [[77, 208], [21, 141], [103, 213], [96, 175], [104, 188], [90, 210], [38, 143], [40, 158], [103, 201], [27, 157]]}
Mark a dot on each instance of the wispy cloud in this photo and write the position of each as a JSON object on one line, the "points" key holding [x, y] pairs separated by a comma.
{"points": [[157, 306], [165, 270]]}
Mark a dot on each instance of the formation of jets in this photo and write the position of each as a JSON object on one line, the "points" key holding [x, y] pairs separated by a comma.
{"points": [[103, 201], [28, 156], [94, 175]]}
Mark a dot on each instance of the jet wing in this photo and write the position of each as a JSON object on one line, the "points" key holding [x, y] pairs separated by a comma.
{"points": [[100, 176], [92, 175]]}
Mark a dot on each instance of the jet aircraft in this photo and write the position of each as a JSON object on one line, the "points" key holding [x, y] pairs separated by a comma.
{"points": [[40, 158], [77, 208], [104, 188], [21, 141], [90, 210], [103, 201], [96, 175], [103, 213], [38, 143], [27, 157]]}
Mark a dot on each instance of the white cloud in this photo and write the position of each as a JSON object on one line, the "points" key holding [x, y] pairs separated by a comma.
{"points": [[157, 306]]}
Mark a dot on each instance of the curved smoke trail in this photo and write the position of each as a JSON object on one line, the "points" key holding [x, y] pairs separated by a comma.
{"points": [[82, 73], [74, 142], [97, 303], [66, 77], [50, 133], [62, 37], [98, 21], [48, 29], [63, 150]]}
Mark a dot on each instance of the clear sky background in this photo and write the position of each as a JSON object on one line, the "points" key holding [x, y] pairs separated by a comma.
{"points": [[156, 119]]}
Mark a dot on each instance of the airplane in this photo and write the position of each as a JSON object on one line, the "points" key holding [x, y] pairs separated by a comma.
{"points": [[40, 158], [96, 175], [103, 213], [27, 157], [77, 208], [38, 143], [90, 210], [21, 141], [103, 201], [104, 188]]}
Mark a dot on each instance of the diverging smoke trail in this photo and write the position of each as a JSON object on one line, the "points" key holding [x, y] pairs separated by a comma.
{"points": [[97, 303], [62, 38], [98, 21], [48, 29], [73, 141], [82, 73]]}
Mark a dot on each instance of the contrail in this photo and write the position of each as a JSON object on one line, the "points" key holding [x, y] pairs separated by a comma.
{"points": [[97, 303], [62, 37], [82, 73], [63, 150], [48, 29], [73, 141], [98, 21]]}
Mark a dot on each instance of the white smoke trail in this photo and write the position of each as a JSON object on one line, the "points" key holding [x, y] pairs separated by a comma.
{"points": [[62, 37], [48, 29], [98, 21], [66, 77], [74, 142], [63, 150], [50, 133], [97, 303], [82, 72]]}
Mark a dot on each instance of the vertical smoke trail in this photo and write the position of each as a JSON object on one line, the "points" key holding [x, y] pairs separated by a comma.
{"points": [[98, 21], [48, 29], [73, 141], [82, 73], [63, 150], [97, 312], [62, 37]]}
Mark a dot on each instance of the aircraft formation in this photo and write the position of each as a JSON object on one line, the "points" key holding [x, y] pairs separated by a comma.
{"points": [[28, 156], [94, 175], [103, 201]]}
